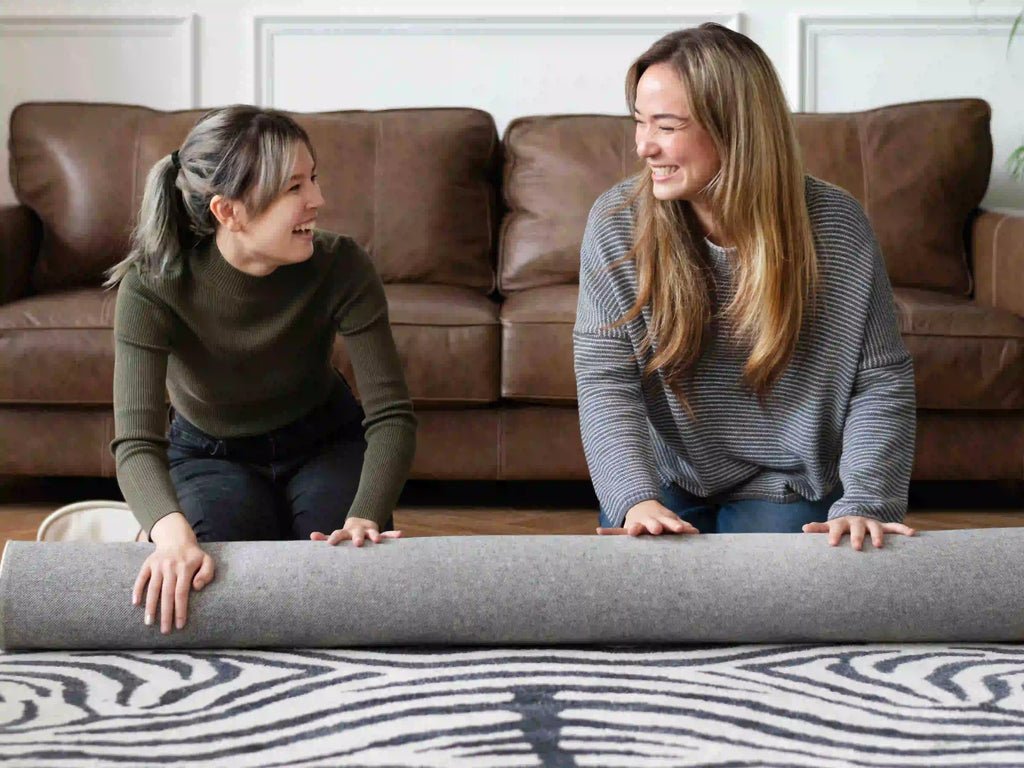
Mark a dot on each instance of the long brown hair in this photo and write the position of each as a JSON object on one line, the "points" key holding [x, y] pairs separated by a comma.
{"points": [[757, 202]]}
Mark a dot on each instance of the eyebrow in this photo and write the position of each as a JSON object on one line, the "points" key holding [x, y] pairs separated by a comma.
{"points": [[660, 116]]}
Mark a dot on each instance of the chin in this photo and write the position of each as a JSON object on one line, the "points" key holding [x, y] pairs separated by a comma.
{"points": [[300, 254], [667, 194]]}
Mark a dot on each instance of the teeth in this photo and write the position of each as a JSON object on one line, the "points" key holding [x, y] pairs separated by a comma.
{"points": [[304, 228], [664, 170]]}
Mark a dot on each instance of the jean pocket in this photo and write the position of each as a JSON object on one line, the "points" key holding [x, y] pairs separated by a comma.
{"points": [[188, 442]]}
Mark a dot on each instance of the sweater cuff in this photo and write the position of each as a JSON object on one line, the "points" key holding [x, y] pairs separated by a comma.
{"points": [[881, 513], [614, 516]]}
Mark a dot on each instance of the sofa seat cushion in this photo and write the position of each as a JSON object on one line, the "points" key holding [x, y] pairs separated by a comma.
{"points": [[448, 339], [58, 349], [966, 355], [536, 331]]}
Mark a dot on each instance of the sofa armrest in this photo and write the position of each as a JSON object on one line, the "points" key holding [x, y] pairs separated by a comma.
{"points": [[997, 244], [20, 235]]}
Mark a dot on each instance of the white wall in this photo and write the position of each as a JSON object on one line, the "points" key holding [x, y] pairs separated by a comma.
{"points": [[527, 57]]}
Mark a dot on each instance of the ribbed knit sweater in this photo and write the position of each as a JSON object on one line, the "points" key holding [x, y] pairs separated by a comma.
{"points": [[843, 410], [243, 355]]}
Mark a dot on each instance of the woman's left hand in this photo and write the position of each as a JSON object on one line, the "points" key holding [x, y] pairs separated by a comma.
{"points": [[357, 529], [857, 527]]}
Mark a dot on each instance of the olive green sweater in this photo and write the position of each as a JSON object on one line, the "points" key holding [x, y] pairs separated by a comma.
{"points": [[242, 355]]}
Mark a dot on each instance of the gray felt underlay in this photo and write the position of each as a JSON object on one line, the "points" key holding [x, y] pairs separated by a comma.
{"points": [[506, 590]]}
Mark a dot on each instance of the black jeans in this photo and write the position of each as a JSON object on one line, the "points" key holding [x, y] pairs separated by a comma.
{"points": [[283, 484]]}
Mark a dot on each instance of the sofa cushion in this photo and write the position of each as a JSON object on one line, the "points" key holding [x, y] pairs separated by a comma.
{"points": [[58, 348], [536, 340], [918, 170], [416, 187], [966, 356], [448, 339], [555, 168]]}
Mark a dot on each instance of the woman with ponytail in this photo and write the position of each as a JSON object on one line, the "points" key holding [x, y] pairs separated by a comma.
{"points": [[229, 303], [738, 361]]}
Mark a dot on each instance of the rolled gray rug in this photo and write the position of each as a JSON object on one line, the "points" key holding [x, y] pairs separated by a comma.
{"points": [[507, 590]]}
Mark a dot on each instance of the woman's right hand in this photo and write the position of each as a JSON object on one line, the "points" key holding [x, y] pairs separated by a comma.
{"points": [[651, 517], [176, 565]]}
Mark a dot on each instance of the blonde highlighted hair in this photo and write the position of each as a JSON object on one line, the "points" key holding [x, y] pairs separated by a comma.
{"points": [[240, 152], [756, 201]]}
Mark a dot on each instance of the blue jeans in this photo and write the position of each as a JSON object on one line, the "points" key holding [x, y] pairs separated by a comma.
{"points": [[746, 515], [283, 484]]}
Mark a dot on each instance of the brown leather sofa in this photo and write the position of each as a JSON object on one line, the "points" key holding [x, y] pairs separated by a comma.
{"points": [[478, 242]]}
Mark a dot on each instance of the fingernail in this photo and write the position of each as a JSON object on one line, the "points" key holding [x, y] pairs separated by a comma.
{"points": [[179, 623], [149, 620], [135, 600]]}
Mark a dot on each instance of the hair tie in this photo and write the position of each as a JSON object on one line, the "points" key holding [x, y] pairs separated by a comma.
{"points": [[175, 161]]}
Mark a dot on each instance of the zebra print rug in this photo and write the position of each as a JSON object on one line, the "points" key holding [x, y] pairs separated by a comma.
{"points": [[820, 706]]}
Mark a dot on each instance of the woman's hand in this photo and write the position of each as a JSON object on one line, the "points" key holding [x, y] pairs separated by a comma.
{"points": [[651, 517], [857, 526], [176, 565], [357, 529]]}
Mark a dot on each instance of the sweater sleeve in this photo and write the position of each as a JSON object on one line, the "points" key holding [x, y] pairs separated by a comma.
{"points": [[141, 344], [390, 424], [613, 418], [878, 436]]}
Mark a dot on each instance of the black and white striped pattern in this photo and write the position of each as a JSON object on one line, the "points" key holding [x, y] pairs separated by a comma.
{"points": [[818, 706], [842, 411]]}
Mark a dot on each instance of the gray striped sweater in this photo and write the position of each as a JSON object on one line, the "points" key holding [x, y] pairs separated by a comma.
{"points": [[842, 411]]}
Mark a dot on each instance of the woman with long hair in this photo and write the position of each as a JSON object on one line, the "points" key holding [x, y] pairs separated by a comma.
{"points": [[738, 361], [229, 302]]}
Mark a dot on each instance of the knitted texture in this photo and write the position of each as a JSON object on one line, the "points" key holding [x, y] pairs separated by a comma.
{"points": [[843, 409], [242, 355]]}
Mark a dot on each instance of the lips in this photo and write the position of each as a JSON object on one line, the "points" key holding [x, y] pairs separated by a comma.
{"points": [[660, 172]]}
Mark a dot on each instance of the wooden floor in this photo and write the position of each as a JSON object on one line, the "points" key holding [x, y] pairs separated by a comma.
{"points": [[470, 508]]}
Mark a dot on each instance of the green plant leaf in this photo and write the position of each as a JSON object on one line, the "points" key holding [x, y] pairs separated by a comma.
{"points": [[1013, 31], [1015, 163]]}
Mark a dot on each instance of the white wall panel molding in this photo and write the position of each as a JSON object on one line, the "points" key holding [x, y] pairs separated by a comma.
{"points": [[809, 31], [179, 29], [151, 60], [272, 33]]}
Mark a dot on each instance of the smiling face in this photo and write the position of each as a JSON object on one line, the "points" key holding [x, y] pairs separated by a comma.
{"points": [[283, 233], [680, 154]]}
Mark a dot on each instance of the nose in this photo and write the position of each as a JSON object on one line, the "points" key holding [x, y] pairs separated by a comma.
{"points": [[644, 146], [315, 199]]}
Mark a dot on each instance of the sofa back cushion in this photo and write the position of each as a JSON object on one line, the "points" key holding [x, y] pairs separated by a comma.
{"points": [[918, 169], [416, 187], [555, 168]]}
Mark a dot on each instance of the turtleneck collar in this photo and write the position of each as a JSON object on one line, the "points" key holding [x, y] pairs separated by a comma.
{"points": [[209, 265]]}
